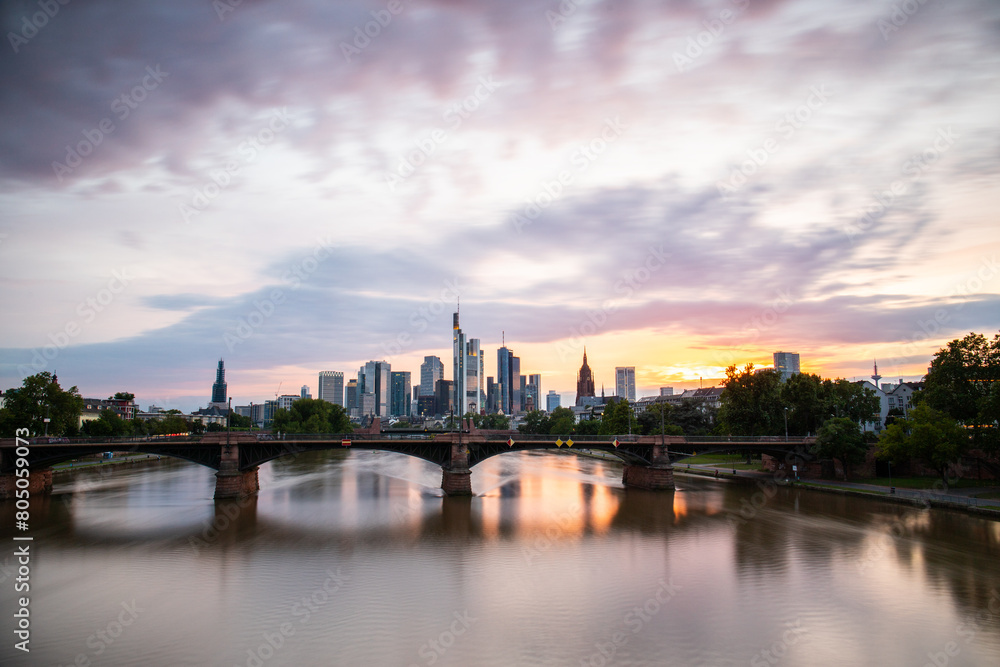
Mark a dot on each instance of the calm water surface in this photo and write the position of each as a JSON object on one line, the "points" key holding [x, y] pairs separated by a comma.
{"points": [[354, 558]]}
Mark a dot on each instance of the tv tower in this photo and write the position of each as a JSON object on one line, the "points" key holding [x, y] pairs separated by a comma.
{"points": [[876, 376]]}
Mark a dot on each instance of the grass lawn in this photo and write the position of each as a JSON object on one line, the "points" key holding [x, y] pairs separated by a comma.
{"points": [[993, 495]]}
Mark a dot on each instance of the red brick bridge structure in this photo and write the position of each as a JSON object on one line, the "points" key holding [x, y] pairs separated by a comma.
{"points": [[648, 460]]}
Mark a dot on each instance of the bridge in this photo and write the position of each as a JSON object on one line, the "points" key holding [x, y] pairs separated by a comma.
{"points": [[237, 456]]}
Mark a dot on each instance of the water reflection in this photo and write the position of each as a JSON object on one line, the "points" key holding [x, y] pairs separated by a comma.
{"points": [[552, 551]]}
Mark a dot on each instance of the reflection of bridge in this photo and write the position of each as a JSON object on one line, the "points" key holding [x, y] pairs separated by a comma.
{"points": [[237, 456]]}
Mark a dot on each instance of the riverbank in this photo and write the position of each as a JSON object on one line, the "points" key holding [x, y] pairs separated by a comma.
{"points": [[979, 506], [128, 460]]}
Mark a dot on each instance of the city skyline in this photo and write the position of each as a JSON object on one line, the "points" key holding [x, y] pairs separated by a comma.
{"points": [[645, 178]]}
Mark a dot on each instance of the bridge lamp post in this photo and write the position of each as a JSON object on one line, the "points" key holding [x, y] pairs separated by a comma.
{"points": [[786, 423]]}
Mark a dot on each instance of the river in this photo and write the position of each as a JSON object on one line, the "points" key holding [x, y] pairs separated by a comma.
{"points": [[355, 558]]}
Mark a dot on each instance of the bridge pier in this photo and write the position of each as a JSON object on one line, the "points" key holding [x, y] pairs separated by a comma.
{"points": [[456, 477], [230, 481], [657, 477], [39, 482]]}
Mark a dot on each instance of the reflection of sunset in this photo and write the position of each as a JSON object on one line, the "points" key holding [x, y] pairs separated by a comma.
{"points": [[680, 507], [552, 499]]}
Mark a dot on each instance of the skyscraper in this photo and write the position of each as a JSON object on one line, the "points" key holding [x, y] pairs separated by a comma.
{"points": [[400, 395], [473, 377], [304, 392], [373, 378], [219, 389], [458, 369], [431, 371], [508, 381], [786, 363], [351, 398], [534, 390], [584, 380], [331, 387], [625, 382], [552, 400]]}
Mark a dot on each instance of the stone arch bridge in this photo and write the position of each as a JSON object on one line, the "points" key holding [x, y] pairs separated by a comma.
{"points": [[237, 456]]}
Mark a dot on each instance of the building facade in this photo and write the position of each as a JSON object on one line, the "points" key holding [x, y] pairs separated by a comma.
{"points": [[552, 400], [331, 387], [787, 364], [400, 394], [431, 371], [625, 383]]}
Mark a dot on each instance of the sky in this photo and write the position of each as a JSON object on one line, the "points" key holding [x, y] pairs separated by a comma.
{"points": [[678, 186]]}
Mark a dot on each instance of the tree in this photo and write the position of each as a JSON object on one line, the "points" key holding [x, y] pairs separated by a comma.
{"points": [[535, 421], [240, 421], [751, 402], [804, 396], [656, 420], [38, 397], [694, 418], [841, 438], [618, 418], [494, 422], [311, 415], [122, 396], [107, 424], [927, 435], [590, 426], [963, 383], [561, 421], [856, 402]]}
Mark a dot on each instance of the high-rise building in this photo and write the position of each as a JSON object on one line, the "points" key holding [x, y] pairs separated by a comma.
{"points": [[331, 387], [508, 381], [786, 363], [444, 394], [458, 368], [373, 378], [304, 392], [473, 377], [431, 371], [584, 381], [625, 382], [491, 395], [219, 389], [533, 391], [666, 391], [400, 394], [351, 398], [552, 400]]}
